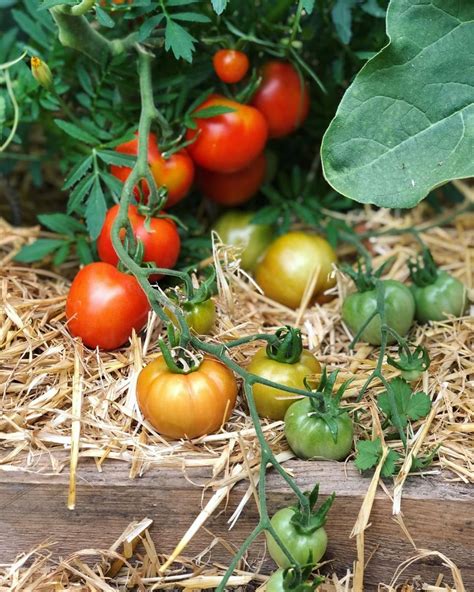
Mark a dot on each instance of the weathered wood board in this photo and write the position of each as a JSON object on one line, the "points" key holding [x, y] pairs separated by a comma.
{"points": [[438, 515]]}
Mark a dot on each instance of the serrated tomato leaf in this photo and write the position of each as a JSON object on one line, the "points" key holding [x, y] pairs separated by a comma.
{"points": [[406, 123]]}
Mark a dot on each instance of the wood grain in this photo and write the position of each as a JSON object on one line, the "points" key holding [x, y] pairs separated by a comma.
{"points": [[438, 515]]}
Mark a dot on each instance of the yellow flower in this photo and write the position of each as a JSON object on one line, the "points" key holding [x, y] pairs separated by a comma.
{"points": [[41, 72]]}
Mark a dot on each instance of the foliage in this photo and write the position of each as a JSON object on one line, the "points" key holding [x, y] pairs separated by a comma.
{"points": [[421, 87]]}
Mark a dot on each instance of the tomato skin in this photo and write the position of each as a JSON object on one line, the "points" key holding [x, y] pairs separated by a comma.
{"points": [[275, 582], [104, 305], [309, 436], [235, 228], [161, 244], [176, 172], [186, 405], [229, 142], [288, 264], [298, 544], [230, 65], [272, 402], [282, 98], [200, 317], [447, 295], [232, 189], [399, 311]]}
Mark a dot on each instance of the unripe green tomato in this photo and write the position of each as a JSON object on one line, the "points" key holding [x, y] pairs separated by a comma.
{"points": [[399, 311], [300, 545], [309, 435], [199, 317], [235, 228], [290, 262], [272, 402], [446, 296], [275, 582]]}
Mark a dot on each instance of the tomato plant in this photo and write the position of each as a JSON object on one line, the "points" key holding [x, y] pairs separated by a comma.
{"points": [[437, 293], [289, 264], [236, 228], [316, 426], [230, 141], [233, 189], [176, 173], [284, 362], [230, 65], [104, 305], [292, 580], [301, 531], [282, 97], [159, 237], [186, 403], [200, 316]]}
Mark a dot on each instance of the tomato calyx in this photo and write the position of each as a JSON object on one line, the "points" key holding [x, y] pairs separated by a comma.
{"points": [[296, 578], [306, 519], [423, 269], [178, 359], [366, 279], [326, 405], [286, 346], [411, 364]]}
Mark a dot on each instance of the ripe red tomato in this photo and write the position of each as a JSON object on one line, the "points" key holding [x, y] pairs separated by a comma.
{"points": [[229, 142], [232, 189], [230, 65], [161, 240], [282, 97], [186, 405], [104, 305], [175, 173]]}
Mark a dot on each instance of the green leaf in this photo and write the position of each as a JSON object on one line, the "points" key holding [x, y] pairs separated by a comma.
{"points": [[84, 251], [61, 223], [39, 249], [407, 404], [219, 6], [308, 5], [406, 124], [76, 132], [179, 41], [77, 196], [78, 172], [389, 466], [95, 210], [372, 7], [62, 254], [103, 18], [50, 3], [209, 112], [149, 26], [193, 17], [341, 15], [267, 215], [117, 158], [368, 454]]}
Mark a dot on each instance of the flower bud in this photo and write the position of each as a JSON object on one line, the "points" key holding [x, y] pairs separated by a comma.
{"points": [[42, 73]]}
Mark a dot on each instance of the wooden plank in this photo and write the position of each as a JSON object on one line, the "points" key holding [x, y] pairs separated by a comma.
{"points": [[439, 515]]}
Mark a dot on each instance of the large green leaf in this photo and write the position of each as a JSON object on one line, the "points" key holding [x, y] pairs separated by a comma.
{"points": [[406, 124]]}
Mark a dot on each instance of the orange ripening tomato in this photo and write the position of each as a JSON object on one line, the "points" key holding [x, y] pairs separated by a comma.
{"points": [[104, 305], [186, 405], [161, 240], [229, 142], [282, 98], [232, 189], [176, 173], [230, 65]]}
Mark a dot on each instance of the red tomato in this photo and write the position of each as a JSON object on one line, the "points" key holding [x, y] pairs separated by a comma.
{"points": [[104, 305], [161, 242], [230, 65], [229, 142], [175, 173], [231, 189], [282, 97]]}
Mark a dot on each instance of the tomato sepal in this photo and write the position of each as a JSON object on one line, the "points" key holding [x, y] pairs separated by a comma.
{"points": [[411, 364], [287, 346], [306, 519]]}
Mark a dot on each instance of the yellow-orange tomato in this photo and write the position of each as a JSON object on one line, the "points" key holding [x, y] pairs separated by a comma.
{"points": [[186, 405], [289, 264]]}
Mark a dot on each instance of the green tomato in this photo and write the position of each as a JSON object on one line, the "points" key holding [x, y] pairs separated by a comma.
{"points": [[399, 311], [309, 436], [200, 317], [272, 402], [299, 544], [235, 228], [446, 296], [275, 582]]}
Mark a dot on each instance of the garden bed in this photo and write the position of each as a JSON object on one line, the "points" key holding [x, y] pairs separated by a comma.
{"points": [[51, 380]]}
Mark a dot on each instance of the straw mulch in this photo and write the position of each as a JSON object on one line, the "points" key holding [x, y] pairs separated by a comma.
{"points": [[49, 380]]}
